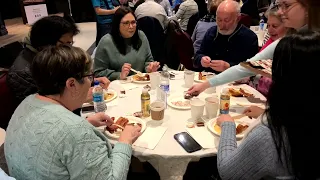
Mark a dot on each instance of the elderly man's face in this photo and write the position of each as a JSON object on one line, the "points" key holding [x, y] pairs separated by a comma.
{"points": [[227, 22]]}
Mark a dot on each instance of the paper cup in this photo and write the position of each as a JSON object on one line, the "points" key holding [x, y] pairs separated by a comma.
{"points": [[154, 80], [212, 107], [197, 107], [188, 78], [157, 110]]}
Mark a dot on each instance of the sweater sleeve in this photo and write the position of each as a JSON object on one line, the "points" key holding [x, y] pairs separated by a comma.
{"points": [[103, 59], [204, 48], [91, 157], [253, 159], [238, 72]]}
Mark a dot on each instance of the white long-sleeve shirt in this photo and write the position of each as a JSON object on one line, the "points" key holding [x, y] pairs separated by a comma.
{"points": [[152, 9]]}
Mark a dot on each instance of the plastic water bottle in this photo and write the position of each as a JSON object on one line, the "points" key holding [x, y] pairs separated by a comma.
{"points": [[98, 98], [261, 28], [165, 80], [261, 24]]}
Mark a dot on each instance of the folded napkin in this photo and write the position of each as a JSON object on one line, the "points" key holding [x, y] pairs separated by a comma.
{"points": [[205, 138], [150, 137]]}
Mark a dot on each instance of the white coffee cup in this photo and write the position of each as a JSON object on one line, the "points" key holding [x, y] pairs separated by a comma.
{"points": [[212, 107], [188, 78], [154, 80], [197, 107]]}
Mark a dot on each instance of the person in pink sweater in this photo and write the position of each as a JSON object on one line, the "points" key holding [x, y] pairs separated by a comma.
{"points": [[276, 30]]}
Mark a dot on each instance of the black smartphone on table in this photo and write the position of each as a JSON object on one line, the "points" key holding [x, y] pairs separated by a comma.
{"points": [[187, 142], [87, 109]]}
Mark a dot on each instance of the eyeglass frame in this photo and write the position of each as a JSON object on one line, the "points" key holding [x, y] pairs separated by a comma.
{"points": [[280, 6], [128, 23], [90, 76]]}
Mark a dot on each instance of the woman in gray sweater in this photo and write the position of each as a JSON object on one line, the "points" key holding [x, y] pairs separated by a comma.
{"points": [[282, 146], [124, 48]]}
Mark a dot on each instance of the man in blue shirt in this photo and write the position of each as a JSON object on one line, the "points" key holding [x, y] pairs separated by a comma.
{"points": [[104, 10], [228, 43]]}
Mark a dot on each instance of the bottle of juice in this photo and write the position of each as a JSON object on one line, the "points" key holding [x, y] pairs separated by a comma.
{"points": [[145, 103], [224, 101]]}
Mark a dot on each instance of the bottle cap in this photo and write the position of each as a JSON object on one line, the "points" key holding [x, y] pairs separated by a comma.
{"points": [[144, 90], [96, 83]]}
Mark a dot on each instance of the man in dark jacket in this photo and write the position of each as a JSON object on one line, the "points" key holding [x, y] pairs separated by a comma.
{"points": [[228, 43], [48, 31]]}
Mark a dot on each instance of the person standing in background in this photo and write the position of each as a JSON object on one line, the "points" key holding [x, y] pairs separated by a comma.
{"points": [[104, 11], [166, 6]]}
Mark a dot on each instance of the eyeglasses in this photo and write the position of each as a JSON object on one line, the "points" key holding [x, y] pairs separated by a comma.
{"points": [[90, 76], [284, 6], [70, 43], [127, 23]]}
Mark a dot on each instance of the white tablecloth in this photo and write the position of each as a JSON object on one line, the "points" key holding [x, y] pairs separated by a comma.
{"points": [[168, 158]]}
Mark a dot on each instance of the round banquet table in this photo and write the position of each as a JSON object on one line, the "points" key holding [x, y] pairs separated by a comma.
{"points": [[168, 157]]}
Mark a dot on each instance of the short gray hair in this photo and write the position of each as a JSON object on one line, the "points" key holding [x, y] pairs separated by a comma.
{"points": [[234, 4]]}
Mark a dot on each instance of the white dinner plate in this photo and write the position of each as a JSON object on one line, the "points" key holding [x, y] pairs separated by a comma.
{"points": [[175, 98], [196, 76], [115, 95], [139, 82], [107, 100], [131, 119], [211, 124]]}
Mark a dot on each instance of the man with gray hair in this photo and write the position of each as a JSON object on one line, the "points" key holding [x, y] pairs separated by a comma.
{"points": [[228, 43]]}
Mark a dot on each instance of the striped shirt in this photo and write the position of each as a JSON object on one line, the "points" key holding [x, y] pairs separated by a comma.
{"points": [[186, 10], [256, 157]]}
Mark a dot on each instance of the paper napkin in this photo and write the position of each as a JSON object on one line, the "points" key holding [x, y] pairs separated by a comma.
{"points": [[150, 137]]}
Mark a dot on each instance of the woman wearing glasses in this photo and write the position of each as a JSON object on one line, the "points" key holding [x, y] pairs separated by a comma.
{"points": [[45, 140], [51, 30], [282, 145], [124, 48], [294, 14]]}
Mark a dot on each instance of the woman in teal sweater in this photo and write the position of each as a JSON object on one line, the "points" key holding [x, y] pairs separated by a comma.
{"points": [[124, 48], [45, 140]]}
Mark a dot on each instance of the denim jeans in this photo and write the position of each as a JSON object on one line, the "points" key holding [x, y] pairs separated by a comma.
{"points": [[102, 29]]}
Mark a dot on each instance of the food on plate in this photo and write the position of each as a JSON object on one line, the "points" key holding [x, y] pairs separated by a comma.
{"points": [[202, 77], [181, 103], [200, 124], [190, 125], [239, 92], [239, 129], [189, 96], [137, 114], [108, 95], [145, 77], [245, 94], [266, 65], [122, 122]]}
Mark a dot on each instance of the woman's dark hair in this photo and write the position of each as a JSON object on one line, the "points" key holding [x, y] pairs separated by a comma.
{"points": [[48, 30], [313, 14], [53, 65], [291, 103], [116, 35]]}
